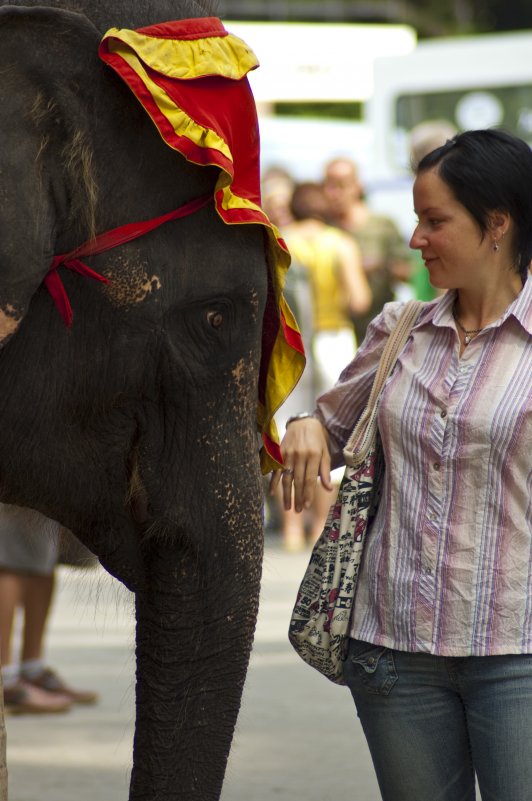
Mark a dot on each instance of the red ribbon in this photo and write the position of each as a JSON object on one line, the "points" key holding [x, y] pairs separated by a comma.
{"points": [[106, 241]]}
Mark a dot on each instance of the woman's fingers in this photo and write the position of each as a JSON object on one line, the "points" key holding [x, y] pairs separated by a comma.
{"points": [[305, 483], [274, 481], [288, 480], [305, 451], [325, 471], [284, 477]]}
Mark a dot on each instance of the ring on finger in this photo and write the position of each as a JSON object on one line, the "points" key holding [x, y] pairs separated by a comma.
{"points": [[288, 471]]}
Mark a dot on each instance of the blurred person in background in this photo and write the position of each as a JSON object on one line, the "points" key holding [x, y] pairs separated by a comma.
{"points": [[277, 186], [29, 554], [426, 137], [386, 258], [330, 262]]}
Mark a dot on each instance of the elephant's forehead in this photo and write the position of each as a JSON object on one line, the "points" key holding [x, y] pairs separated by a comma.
{"points": [[213, 260], [130, 280]]}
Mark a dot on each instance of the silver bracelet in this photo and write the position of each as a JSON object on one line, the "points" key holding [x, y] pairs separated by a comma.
{"points": [[300, 416]]}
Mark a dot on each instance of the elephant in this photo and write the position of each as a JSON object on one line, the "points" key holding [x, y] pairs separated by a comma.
{"points": [[136, 426]]}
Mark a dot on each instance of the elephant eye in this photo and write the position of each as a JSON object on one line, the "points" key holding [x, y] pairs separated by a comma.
{"points": [[215, 318]]}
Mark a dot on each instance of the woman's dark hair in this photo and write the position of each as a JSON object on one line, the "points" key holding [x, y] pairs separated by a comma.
{"points": [[490, 170]]}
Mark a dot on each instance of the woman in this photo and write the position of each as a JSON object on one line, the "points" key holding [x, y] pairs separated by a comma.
{"points": [[440, 654], [338, 284], [328, 262]]}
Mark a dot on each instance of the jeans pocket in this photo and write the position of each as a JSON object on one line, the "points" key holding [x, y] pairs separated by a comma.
{"points": [[370, 667]]}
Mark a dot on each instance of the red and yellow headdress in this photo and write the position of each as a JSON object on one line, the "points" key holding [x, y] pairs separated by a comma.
{"points": [[190, 76]]}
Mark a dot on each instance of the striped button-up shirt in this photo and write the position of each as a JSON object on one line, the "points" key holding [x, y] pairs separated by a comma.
{"points": [[447, 567]]}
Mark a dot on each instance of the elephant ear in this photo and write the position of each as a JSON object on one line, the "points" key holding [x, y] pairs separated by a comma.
{"points": [[44, 56]]}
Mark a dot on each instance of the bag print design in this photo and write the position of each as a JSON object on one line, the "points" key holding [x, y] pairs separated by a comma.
{"points": [[321, 614], [319, 626]]}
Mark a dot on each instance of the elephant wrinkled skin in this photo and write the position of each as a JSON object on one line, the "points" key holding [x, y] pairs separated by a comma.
{"points": [[135, 428]]}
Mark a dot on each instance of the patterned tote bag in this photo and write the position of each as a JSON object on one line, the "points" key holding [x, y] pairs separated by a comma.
{"points": [[320, 619]]}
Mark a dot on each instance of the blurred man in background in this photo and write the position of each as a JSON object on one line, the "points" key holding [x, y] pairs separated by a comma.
{"points": [[386, 257]]}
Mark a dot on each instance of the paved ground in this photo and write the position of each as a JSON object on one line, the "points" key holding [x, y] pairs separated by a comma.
{"points": [[298, 738]]}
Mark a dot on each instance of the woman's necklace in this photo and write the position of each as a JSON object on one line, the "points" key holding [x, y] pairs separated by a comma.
{"points": [[468, 335]]}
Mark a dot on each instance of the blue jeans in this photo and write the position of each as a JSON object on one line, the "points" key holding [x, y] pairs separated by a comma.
{"points": [[433, 722]]}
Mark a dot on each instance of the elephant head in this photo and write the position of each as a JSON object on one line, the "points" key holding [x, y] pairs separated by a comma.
{"points": [[135, 427]]}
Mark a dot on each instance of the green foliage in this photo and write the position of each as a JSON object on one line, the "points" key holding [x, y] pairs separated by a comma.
{"points": [[343, 111]]}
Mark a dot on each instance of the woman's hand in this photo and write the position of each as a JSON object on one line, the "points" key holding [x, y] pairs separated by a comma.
{"points": [[306, 455]]}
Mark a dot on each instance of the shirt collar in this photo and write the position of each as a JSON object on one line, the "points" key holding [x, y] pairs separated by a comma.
{"points": [[440, 311], [521, 308]]}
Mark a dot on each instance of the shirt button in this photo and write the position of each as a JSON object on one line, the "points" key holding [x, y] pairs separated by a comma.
{"points": [[436, 465], [433, 516], [443, 413]]}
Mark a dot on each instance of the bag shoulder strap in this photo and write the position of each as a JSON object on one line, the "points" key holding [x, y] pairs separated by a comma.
{"points": [[365, 430]]}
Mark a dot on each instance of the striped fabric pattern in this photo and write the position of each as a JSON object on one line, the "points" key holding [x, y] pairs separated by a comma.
{"points": [[448, 563]]}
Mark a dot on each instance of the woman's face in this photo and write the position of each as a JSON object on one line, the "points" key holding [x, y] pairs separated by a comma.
{"points": [[449, 238]]}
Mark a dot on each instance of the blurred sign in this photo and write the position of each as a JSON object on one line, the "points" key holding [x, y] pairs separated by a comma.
{"points": [[479, 110], [318, 61]]}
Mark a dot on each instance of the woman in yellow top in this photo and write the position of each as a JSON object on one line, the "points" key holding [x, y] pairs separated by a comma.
{"points": [[338, 285], [327, 262]]}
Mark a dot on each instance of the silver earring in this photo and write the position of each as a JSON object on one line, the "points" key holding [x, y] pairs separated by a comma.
{"points": [[495, 246]]}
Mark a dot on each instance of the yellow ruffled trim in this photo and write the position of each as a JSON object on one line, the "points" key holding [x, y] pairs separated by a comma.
{"points": [[231, 201], [286, 368], [182, 124], [185, 59]]}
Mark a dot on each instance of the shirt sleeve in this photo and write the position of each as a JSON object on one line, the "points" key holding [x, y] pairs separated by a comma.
{"points": [[340, 407]]}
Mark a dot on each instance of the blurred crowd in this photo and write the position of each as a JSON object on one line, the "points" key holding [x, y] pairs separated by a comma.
{"points": [[347, 262]]}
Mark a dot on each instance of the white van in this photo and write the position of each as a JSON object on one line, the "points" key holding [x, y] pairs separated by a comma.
{"points": [[316, 63]]}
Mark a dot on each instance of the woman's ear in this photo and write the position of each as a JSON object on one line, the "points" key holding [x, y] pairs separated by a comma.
{"points": [[499, 224]]}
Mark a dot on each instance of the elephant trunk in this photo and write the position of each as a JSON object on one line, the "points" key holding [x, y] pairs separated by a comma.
{"points": [[195, 623]]}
